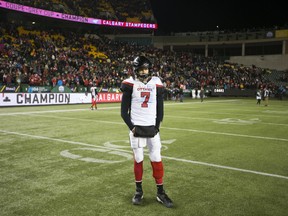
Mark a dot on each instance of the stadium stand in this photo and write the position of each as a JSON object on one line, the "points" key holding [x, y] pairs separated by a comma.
{"points": [[38, 55]]}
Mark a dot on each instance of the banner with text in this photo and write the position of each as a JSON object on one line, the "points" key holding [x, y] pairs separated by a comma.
{"points": [[31, 99]]}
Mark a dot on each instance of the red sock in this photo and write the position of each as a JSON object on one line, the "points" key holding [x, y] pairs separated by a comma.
{"points": [[158, 172], [138, 171]]}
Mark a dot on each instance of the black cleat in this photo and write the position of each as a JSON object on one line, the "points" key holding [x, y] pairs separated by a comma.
{"points": [[137, 199], [164, 199]]}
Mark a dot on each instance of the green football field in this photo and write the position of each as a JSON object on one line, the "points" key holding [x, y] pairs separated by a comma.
{"points": [[225, 156]]}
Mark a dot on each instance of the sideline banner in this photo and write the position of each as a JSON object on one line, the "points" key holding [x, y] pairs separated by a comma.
{"points": [[36, 99], [9, 88], [109, 97]]}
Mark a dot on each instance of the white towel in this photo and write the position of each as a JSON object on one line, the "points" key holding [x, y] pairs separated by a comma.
{"points": [[137, 142], [142, 142]]}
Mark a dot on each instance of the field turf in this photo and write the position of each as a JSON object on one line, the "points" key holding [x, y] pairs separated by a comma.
{"points": [[224, 156]]}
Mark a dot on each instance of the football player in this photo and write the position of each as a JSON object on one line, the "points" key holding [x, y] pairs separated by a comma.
{"points": [[94, 94], [142, 111]]}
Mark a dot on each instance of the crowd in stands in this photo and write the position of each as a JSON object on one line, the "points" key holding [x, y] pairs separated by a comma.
{"points": [[51, 57], [124, 10]]}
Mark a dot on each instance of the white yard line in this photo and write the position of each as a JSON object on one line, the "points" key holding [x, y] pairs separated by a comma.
{"points": [[226, 134], [121, 123], [53, 111], [170, 158], [211, 119], [169, 128]]}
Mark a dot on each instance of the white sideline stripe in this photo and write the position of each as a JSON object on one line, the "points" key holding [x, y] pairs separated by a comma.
{"points": [[174, 103], [227, 134], [179, 129], [226, 167], [211, 119], [109, 108], [53, 111], [170, 158], [102, 108]]}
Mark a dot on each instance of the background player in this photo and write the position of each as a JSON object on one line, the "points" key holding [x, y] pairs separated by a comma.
{"points": [[94, 94]]}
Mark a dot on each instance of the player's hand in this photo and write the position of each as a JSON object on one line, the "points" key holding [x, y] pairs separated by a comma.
{"points": [[133, 130], [156, 130]]}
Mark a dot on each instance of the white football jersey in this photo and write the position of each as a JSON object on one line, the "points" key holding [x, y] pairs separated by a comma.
{"points": [[144, 101], [93, 90]]}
